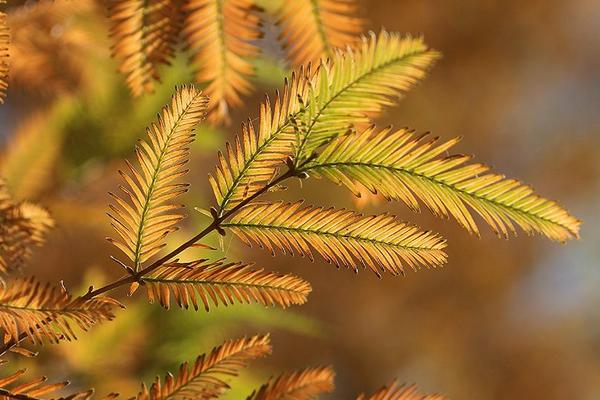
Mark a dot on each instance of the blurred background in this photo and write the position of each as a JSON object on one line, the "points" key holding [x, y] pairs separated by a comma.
{"points": [[520, 80]]}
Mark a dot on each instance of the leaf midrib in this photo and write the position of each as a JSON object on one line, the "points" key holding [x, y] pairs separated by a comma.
{"points": [[143, 45], [316, 11], [220, 21], [209, 282], [323, 233], [151, 186], [44, 310]]}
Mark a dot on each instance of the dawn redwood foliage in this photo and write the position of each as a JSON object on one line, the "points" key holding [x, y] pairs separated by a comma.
{"points": [[320, 124]]}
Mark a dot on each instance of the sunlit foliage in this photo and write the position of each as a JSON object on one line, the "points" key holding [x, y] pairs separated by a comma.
{"points": [[320, 124]]}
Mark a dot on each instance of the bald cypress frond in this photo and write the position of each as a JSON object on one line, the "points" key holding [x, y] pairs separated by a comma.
{"points": [[354, 87], [23, 226], [146, 214], [207, 377], [144, 34], [51, 46], [221, 36], [219, 283], [46, 313], [17, 386], [408, 167], [312, 29], [341, 237], [399, 392], [305, 384]]}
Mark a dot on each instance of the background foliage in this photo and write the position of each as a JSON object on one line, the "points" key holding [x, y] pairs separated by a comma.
{"points": [[517, 80]]}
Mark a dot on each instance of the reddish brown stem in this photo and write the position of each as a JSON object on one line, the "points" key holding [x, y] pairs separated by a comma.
{"points": [[145, 271]]}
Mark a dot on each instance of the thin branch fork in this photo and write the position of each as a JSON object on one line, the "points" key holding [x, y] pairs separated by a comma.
{"points": [[137, 276]]}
